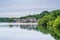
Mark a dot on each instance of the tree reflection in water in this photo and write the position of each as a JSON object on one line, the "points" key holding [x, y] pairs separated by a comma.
{"points": [[45, 30], [55, 34]]}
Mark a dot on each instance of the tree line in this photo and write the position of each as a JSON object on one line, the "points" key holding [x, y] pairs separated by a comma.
{"points": [[7, 19]]}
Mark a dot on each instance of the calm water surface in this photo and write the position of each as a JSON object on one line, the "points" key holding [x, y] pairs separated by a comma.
{"points": [[22, 32]]}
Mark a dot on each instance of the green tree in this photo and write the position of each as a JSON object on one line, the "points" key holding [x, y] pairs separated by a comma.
{"points": [[56, 26]]}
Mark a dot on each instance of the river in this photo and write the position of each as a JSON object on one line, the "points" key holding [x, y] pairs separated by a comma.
{"points": [[22, 32]]}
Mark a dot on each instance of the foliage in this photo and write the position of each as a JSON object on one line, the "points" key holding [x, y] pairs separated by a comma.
{"points": [[51, 23], [7, 19], [56, 26]]}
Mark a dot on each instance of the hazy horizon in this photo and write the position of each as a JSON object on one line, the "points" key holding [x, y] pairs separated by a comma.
{"points": [[18, 8]]}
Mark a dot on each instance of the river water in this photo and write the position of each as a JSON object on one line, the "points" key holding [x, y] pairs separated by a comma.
{"points": [[22, 32]]}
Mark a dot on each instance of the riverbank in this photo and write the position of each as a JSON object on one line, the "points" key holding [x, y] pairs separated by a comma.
{"points": [[18, 23]]}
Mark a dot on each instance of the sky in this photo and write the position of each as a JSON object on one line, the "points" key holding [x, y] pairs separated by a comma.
{"points": [[18, 8]]}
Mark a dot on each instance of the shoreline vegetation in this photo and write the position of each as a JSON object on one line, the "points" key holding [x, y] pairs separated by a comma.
{"points": [[50, 24], [35, 16]]}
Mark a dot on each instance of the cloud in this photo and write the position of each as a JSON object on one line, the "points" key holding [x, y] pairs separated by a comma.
{"points": [[26, 7]]}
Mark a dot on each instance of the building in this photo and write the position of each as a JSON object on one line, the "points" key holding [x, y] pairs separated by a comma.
{"points": [[27, 20]]}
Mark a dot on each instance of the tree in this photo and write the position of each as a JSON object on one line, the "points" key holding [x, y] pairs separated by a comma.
{"points": [[56, 25]]}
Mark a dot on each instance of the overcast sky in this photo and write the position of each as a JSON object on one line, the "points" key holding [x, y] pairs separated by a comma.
{"points": [[17, 8]]}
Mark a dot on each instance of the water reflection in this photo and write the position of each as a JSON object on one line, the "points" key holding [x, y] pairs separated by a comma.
{"points": [[49, 30], [29, 27], [36, 28]]}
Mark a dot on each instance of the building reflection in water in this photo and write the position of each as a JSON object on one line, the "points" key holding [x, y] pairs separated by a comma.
{"points": [[29, 27]]}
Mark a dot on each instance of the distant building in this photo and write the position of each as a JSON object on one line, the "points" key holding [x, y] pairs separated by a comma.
{"points": [[27, 20], [32, 19]]}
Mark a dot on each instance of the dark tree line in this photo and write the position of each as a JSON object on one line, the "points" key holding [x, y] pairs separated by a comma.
{"points": [[7, 19]]}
